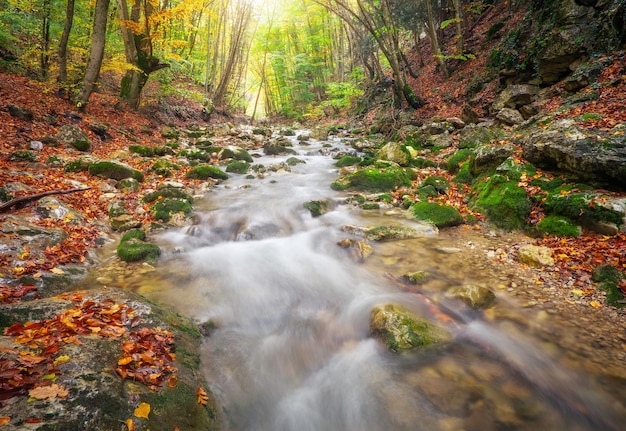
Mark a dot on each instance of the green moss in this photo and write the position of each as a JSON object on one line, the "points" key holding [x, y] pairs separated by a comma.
{"points": [[454, 162], [580, 207], [163, 209], [317, 208], [427, 192], [370, 206], [168, 192], [134, 234], [76, 166], [237, 167], [203, 156], [504, 203], [609, 278], [479, 136], [134, 250], [5, 321], [440, 184], [558, 225], [293, 161], [464, 176], [379, 180], [163, 167], [514, 170], [347, 161], [548, 185], [116, 171], [142, 150], [242, 155], [421, 163], [204, 172], [5, 196], [358, 199], [439, 215], [81, 144], [23, 156]]}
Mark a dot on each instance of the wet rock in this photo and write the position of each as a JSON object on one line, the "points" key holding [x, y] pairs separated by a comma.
{"points": [[394, 232], [416, 277], [24, 114], [476, 297], [73, 136], [52, 208], [124, 222], [277, 147], [394, 152], [318, 208], [31, 233], [360, 250], [536, 256], [402, 330]]}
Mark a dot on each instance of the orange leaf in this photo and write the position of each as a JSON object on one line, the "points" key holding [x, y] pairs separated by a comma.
{"points": [[48, 392], [124, 361], [203, 398], [142, 411], [4, 420], [130, 424]]}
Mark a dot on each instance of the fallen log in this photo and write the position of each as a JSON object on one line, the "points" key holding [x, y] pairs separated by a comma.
{"points": [[22, 200]]}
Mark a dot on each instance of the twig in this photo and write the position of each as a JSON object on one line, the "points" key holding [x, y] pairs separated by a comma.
{"points": [[25, 199]]}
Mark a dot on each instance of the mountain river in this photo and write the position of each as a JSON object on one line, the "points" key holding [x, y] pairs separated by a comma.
{"points": [[292, 351]]}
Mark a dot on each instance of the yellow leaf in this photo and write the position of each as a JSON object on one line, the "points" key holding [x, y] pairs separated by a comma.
{"points": [[57, 271], [577, 292], [130, 424], [124, 361], [142, 411], [37, 275], [61, 360], [595, 304]]}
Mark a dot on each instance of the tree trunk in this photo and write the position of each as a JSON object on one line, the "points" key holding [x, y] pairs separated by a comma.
{"points": [[458, 15], [65, 37], [98, 39], [44, 58], [434, 39]]}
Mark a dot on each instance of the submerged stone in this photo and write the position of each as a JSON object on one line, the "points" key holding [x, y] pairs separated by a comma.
{"points": [[403, 330], [476, 297]]}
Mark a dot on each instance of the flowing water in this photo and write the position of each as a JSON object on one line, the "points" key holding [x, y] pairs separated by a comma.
{"points": [[291, 349]]}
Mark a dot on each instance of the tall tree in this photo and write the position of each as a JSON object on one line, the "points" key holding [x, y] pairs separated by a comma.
{"points": [[96, 54], [65, 37], [138, 27]]}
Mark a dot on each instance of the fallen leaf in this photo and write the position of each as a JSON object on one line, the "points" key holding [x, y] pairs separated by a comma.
{"points": [[203, 398], [595, 304], [57, 271], [124, 361], [4, 420], [61, 360], [130, 424], [48, 392], [142, 411]]}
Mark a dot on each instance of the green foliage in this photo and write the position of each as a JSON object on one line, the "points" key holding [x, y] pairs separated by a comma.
{"points": [[559, 226], [77, 166], [439, 215], [504, 203], [204, 172]]}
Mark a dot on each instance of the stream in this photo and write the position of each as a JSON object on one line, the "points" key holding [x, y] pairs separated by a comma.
{"points": [[291, 349]]}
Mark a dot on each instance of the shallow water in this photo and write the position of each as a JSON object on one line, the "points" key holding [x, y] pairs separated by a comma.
{"points": [[292, 349]]}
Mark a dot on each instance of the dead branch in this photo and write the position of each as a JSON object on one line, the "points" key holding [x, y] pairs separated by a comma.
{"points": [[21, 201]]}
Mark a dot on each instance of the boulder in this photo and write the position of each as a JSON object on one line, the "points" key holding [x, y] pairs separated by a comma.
{"points": [[114, 170], [489, 157], [515, 96], [52, 208], [439, 215], [402, 330], [469, 115], [359, 250], [394, 152], [510, 117], [73, 136], [536, 256], [24, 114], [474, 296], [563, 147]]}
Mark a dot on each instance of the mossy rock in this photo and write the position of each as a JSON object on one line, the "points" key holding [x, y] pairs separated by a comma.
{"points": [[464, 176], [142, 150], [242, 155], [5, 196], [168, 192], [504, 203], [391, 233], [163, 209], [609, 278], [427, 192], [559, 226], [403, 330], [318, 208], [128, 185], [113, 170], [379, 179], [23, 156], [454, 162], [439, 215], [478, 136], [237, 167], [134, 234], [348, 161], [475, 297], [135, 250], [293, 161], [204, 172], [515, 170], [421, 163], [79, 165], [440, 184], [580, 207], [163, 167], [416, 277], [202, 155], [170, 132]]}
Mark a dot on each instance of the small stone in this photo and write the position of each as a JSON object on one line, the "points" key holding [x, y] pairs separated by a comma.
{"points": [[536, 256], [35, 145]]}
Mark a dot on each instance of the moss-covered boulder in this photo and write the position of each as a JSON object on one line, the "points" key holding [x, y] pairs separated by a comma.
{"points": [[348, 161], [242, 155], [73, 136], [394, 152], [134, 248], [488, 158], [504, 203], [204, 172], [293, 161], [168, 192], [454, 162], [168, 132], [237, 167], [439, 183], [393, 233], [376, 179], [439, 215], [164, 209], [23, 156], [581, 207], [559, 226], [318, 208], [402, 330], [114, 170], [474, 296]]}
